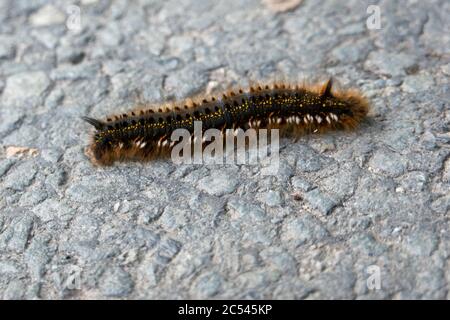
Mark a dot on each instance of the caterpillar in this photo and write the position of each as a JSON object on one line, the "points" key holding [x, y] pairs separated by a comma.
{"points": [[294, 109]]}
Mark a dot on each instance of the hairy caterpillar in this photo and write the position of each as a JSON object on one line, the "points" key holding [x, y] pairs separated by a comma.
{"points": [[295, 110]]}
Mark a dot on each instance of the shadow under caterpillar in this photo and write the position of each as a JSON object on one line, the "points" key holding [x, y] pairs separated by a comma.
{"points": [[295, 110]]}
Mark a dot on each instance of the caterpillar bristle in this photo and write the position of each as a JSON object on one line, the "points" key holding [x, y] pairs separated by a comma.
{"points": [[295, 109], [326, 89], [96, 123]]}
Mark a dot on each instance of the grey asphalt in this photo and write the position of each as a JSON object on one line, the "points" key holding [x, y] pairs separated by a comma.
{"points": [[350, 215]]}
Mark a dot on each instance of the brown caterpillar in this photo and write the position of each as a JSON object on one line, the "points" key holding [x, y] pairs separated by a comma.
{"points": [[295, 110]]}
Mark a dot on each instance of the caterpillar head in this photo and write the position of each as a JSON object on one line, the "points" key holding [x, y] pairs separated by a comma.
{"points": [[351, 99]]}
